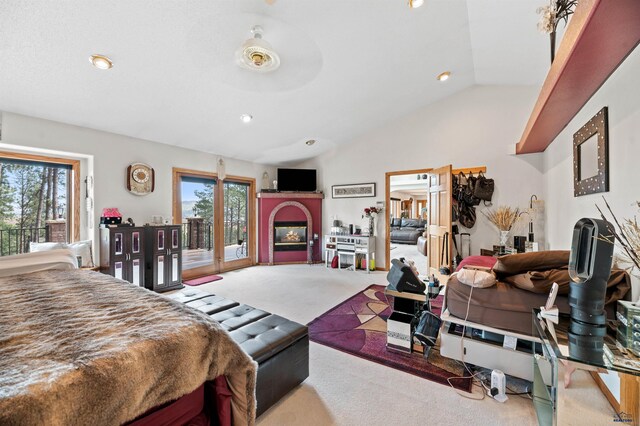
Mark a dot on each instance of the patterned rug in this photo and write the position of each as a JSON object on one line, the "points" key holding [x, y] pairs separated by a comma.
{"points": [[358, 327]]}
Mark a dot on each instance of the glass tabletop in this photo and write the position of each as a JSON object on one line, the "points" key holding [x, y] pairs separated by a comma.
{"points": [[572, 341]]}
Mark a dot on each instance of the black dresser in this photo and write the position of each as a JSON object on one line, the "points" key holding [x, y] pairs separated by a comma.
{"points": [[148, 256]]}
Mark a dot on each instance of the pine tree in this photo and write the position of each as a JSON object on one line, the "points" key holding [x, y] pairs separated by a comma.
{"points": [[204, 206], [6, 195]]}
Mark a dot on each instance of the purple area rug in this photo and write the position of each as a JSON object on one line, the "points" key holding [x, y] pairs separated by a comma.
{"points": [[358, 327]]}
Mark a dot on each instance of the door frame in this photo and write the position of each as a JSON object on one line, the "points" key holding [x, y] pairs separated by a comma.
{"points": [[177, 174], [387, 203], [218, 265]]}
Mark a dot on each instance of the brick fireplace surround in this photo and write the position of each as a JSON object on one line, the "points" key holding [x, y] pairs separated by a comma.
{"points": [[289, 207]]}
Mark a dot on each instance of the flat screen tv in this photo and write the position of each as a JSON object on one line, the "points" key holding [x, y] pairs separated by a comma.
{"points": [[296, 180]]}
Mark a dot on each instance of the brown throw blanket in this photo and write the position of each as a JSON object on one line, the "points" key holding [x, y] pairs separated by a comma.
{"points": [[79, 347]]}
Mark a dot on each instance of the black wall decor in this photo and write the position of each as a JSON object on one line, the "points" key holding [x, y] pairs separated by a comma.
{"points": [[598, 126]]}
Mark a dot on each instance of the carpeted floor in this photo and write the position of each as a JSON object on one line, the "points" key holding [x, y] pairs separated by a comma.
{"points": [[410, 251], [346, 390], [358, 327]]}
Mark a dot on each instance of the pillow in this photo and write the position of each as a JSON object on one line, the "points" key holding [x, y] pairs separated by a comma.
{"points": [[476, 278], [44, 260], [513, 264], [541, 281], [486, 261], [79, 248], [34, 247], [82, 249]]}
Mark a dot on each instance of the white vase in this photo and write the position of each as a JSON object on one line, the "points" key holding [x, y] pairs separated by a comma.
{"points": [[635, 284], [504, 237]]}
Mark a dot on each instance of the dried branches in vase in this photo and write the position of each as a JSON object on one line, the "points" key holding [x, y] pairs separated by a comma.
{"points": [[556, 11], [502, 217], [627, 235]]}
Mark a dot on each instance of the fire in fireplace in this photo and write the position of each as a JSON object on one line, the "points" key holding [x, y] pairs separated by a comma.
{"points": [[289, 236]]}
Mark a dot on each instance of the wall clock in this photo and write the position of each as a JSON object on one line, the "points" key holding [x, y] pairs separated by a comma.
{"points": [[140, 179]]}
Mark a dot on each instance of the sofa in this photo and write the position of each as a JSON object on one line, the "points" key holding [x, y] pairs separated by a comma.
{"points": [[406, 231]]}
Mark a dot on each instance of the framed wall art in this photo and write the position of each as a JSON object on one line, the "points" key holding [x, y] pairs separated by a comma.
{"points": [[356, 190], [591, 156]]}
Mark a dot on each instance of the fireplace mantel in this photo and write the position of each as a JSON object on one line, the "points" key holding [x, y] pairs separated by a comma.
{"points": [[290, 195]]}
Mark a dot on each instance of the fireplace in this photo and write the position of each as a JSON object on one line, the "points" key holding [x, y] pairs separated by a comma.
{"points": [[290, 236]]}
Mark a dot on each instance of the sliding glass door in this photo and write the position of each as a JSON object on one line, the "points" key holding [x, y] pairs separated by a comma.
{"points": [[197, 220], [218, 221], [236, 220]]}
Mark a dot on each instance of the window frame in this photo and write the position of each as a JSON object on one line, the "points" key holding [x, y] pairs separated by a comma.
{"points": [[73, 192]]}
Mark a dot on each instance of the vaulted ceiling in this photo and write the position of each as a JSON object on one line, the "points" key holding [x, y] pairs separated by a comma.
{"points": [[348, 66]]}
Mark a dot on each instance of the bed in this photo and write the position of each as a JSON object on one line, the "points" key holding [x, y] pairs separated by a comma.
{"points": [[522, 285], [487, 316], [80, 347]]}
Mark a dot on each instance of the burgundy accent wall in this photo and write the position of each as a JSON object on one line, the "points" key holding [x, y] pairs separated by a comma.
{"points": [[288, 213]]}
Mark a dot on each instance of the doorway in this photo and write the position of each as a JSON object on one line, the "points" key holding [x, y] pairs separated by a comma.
{"points": [[217, 219], [407, 195]]}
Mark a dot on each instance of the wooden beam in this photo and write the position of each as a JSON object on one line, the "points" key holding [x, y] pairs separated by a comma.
{"points": [[600, 35]]}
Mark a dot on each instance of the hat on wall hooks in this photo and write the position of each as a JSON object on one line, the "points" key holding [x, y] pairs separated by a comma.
{"points": [[221, 169]]}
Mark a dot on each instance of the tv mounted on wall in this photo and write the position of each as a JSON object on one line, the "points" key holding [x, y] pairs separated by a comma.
{"points": [[297, 180]]}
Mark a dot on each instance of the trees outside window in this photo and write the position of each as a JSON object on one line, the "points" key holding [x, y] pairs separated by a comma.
{"points": [[30, 194]]}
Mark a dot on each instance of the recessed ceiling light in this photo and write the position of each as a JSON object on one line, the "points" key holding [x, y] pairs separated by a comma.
{"points": [[444, 76], [246, 118], [415, 3], [310, 142], [101, 62]]}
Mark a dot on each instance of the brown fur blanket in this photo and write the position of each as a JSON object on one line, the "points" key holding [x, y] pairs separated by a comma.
{"points": [[79, 347]]}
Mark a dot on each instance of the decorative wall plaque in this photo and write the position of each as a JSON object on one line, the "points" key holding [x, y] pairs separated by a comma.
{"points": [[591, 156]]}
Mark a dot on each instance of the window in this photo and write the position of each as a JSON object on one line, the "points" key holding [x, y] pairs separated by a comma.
{"points": [[37, 197]]}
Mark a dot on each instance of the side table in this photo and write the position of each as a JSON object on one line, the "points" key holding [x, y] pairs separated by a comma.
{"points": [[555, 348]]}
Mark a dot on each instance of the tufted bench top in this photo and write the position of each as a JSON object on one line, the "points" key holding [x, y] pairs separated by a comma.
{"points": [[212, 304], [264, 338], [187, 295], [238, 316], [259, 333]]}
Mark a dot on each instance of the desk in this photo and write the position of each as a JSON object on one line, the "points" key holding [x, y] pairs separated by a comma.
{"points": [[349, 247], [555, 348]]}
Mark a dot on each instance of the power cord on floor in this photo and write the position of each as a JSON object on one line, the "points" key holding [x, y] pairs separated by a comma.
{"points": [[472, 376]]}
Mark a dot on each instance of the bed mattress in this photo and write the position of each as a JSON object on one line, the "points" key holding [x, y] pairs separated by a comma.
{"points": [[502, 306]]}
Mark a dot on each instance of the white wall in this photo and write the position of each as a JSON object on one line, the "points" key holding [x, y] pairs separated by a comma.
{"points": [[111, 154], [475, 127], [621, 93]]}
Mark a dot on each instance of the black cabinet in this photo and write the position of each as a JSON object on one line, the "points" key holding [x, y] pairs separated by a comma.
{"points": [[122, 253], [163, 257]]}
